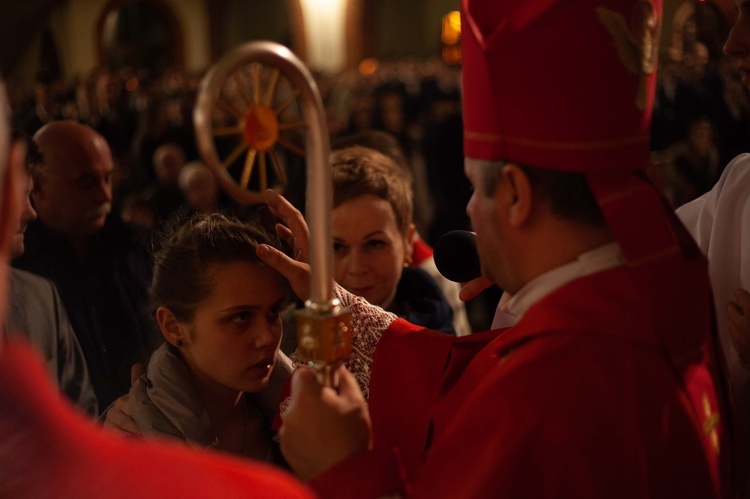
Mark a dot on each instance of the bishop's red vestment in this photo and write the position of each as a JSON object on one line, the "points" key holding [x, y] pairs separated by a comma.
{"points": [[577, 400]]}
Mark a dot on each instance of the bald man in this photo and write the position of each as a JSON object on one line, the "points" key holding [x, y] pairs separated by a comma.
{"points": [[95, 260], [73, 193]]}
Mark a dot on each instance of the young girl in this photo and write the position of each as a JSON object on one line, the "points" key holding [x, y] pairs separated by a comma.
{"points": [[216, 380]]}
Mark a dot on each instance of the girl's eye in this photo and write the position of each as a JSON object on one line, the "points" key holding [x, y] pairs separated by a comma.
{"points": [[240, 318], [275, 312], [338, 247]]}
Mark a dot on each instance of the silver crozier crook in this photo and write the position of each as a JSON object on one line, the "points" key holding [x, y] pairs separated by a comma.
{"points": [[255, 99]]}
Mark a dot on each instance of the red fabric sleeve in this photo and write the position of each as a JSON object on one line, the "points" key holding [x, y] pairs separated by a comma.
{"points": [[372, 474], [406, 371]]}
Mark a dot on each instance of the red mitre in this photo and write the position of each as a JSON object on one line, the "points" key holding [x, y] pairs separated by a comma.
{"points": [[564, 85], [568, 85]]}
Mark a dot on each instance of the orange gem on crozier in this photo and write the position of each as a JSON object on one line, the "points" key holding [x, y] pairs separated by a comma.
{"points": [[261, 128]]}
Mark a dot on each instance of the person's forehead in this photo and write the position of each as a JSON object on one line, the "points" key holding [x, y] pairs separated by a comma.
{"points": [[75, 171], [365, 202], [380, 215], [81, 161], [474, 166], [240, 283], [474, 163]]}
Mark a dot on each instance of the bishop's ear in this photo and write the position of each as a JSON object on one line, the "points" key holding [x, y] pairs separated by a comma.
{"points": [[517, 194]]}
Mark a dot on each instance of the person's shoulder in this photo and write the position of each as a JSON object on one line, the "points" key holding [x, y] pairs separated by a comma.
{"points": [[33, 306], [565, 370], [571, 385], [151, 417], [417, 286], [152, 411], [22, 281], [418, 278], [161, 399], [420, 300], [117, 229], [42, 246], [121, 238]]}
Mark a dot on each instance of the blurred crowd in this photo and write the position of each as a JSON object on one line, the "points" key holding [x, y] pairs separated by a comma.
{"points": [[701, 120], [148, 122]]}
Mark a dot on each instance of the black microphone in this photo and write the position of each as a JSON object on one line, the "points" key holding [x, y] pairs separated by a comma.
{"points": [[456, 256]]}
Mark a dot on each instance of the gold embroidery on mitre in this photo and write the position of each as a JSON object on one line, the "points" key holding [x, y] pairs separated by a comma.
{"points": [[710, 423], [636, 44], [591, 145]]}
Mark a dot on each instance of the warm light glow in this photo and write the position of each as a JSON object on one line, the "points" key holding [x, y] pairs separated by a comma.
{"points": [[454, 18], [452, 54], [451, 36], [368, 66], [132, 84], [451, 32], [324, 30]]}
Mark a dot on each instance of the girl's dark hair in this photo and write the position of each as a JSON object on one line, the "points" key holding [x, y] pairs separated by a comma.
{"points": [[190, 253]]}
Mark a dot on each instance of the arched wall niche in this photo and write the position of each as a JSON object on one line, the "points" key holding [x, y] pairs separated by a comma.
{"points": [[139, 33]]}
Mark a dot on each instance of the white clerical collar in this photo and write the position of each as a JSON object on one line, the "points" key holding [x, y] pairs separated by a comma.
{"points": [[602, 258]]}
